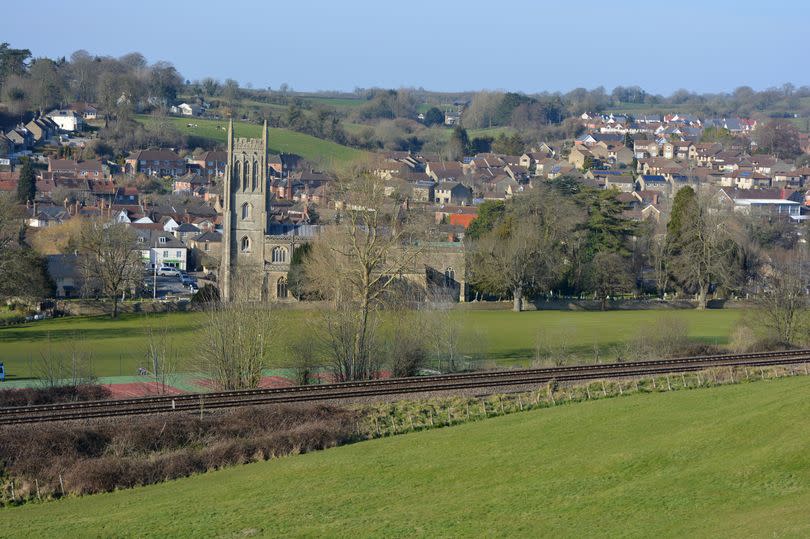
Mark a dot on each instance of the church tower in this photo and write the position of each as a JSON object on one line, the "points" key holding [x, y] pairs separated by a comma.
{"points": [[246, 202]]}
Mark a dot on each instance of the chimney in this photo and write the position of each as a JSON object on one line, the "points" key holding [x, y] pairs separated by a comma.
{"points": [[289, 188]]}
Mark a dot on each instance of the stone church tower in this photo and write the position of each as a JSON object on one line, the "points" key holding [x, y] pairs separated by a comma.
{"points": [[246, 203]]}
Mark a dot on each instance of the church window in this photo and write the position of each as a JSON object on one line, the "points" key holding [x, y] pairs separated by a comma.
{"points": [[281, 288], [244, 245], [255, 175], [279, 255], [246, 211]]}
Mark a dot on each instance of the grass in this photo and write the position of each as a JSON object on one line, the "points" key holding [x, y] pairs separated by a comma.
{"points": [[281, 140], [504, 337], [723, 462]]}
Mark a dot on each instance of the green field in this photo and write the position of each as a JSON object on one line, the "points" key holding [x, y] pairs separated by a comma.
{"points": [[504, 337], [281, 140], [731, 461]]}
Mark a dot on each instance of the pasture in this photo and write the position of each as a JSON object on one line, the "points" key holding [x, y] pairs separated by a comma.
{"points": [[497, 337], [280, 140], [728, 461]]}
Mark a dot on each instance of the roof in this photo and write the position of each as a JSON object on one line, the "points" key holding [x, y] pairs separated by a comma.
{"points": [[62, 266], [210, 236], [154, 155]]}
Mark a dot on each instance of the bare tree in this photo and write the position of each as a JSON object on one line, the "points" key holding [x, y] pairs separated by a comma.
{"points": [[233, 342], [608, 275], [357, 264], [161, 357], [784, 305], [109, 261]]}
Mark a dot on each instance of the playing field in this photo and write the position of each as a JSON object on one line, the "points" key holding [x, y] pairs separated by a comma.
{"points": [[732, 461], [281, 140], [118, 347]]}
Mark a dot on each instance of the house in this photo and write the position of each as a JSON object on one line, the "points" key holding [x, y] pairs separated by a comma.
{"points": [[763, 202], [90, 168], [186, 109], [67, 120], [422, 191], [210, 164], [581, 157], [457, 215], [85, 110], [206, 250], [160, 248], [155, 163], [45, 215], [444, 170], [653, 182], [623, 183], [454, 193], [745, 179], [42, 129], [65, 275], [643, 148]]}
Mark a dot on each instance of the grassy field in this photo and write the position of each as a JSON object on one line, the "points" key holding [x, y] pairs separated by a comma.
{"points": [[504, 337], [730, 461], [281, 140]]}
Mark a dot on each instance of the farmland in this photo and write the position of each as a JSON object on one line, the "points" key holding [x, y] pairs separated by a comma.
{"points": [[502, 337], [727, 461], [280, 140]]}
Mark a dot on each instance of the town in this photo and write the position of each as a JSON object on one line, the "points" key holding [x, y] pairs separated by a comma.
{"points": [[291, 271]]}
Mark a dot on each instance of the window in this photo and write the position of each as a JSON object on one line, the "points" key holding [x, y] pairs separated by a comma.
{"points": [[281, 288], [179, 254], [206, 247], [279, 255], [255, 175], [246, 211], [161, 239], [165, 254], [140, 239], [449, 277], [245, 244]]}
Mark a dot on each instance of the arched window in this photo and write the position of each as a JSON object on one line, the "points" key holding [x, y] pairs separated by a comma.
{"points": [[246, 211], [449, 277], [279, 255], [281, 288], [244, 245], [255, 175], [245, 173]]}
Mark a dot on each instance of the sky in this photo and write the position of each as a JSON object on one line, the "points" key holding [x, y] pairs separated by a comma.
{"points": [[441, 45]]}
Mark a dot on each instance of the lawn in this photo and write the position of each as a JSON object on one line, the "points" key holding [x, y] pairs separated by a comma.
{"points": [[281, 140], [729, 461], [505, 338]]}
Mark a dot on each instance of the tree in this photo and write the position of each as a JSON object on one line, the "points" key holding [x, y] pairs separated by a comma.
{"points": [[296, 276], [434, 116], [109, 262], [27, 184], [702, 250], [778, 137], [508, 145], [526, 251], [490, 213], [233, 341], [458, 144], [358, 266], [22, 271], [608, 276], [12, 61], [784, 306]]}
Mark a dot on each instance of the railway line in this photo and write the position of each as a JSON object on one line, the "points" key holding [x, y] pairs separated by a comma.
{"points": [[478, 382]]}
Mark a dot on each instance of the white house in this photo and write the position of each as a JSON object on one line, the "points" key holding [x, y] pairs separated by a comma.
{"points": [[159, 248], [185, 109], [67, 120]]}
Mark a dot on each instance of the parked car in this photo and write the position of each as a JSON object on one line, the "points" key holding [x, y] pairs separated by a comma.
{"points": [[168, 271], [187, 279]]}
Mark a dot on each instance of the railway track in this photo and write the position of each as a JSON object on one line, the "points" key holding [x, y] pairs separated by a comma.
{"points": [[482, 382]]}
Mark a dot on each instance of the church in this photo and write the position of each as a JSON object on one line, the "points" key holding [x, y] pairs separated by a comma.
{"points": [[256, 255]]}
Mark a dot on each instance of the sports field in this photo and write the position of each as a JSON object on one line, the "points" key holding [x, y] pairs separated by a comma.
{"points": [[731, 461], [118, 347], [280, 140]]}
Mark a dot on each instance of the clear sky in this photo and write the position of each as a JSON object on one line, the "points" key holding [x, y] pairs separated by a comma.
{"points": [[446, 45]]}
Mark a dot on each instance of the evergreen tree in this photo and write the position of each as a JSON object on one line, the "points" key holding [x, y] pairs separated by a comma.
{"points": [[27, 184]]}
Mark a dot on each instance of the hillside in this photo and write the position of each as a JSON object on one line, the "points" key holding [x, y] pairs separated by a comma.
{"points": [[727, 462], [281, 140]]}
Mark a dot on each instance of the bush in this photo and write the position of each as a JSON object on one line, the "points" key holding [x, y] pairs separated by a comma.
{"points": [[49, 395], [108, 454]]}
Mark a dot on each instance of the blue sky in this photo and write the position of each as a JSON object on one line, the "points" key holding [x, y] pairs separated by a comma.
{"points": [[707, 45]]}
